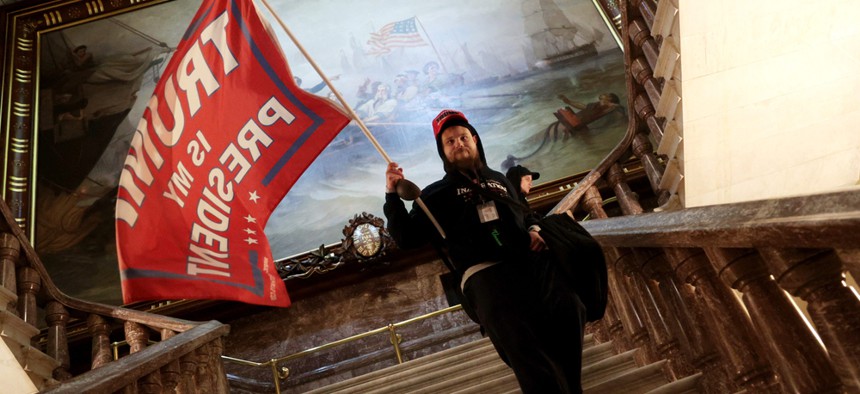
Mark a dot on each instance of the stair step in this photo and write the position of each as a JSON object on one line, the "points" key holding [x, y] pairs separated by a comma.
{"points": [[504, 384], [596, 373], [478, 365], [13, 327], [38, 365], [7, 296], [588, 341], [474, 368], [688, 385], [472, 349], [639, 380], [592, 352], [597, 352], [15, 380], [489, 372], [409, 379]]}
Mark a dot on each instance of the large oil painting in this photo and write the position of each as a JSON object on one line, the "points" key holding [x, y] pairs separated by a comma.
{"points": [[541, 80]]}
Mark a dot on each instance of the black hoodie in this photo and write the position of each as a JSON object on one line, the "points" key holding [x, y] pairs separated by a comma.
{"points": [[455, 206]]}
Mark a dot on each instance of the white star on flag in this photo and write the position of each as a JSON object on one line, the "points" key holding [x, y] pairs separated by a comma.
{"points": [[251, 241], [249, 231], [250, 219], [254, 197]]}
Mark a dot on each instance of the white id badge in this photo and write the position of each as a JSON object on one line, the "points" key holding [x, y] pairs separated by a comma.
{"points": [[487, 212]]}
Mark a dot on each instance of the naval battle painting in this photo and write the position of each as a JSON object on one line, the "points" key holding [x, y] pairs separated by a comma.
{"points": [[541, 80]]}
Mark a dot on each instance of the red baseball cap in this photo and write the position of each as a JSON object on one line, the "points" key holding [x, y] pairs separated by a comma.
{"points": [[446, 116]]}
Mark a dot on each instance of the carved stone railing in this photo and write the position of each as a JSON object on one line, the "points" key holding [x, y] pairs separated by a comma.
{"points": [[187, 355], [674, 276]]}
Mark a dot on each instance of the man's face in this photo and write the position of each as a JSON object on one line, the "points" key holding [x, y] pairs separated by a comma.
{"points": [[526, 183], [382, 92], [460, 146], [605, 100]]}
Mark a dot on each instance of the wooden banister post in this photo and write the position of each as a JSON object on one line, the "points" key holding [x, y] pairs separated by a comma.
{"points": [[674, 314], [203, 375], [733, 266], [641, 37], [802, 364], [643, 149], [627, 199], [680, 309], [593, 204], [639, 296], [645, 111], [171, 374], [642, 73], [592, 201], [693, 268], [151, 383], [29, 285], [646, 9], [815, 275], [617, 299], [219, 377], [58, 346], [100, 330], [188, 368], [137, 337], [10, 249]]}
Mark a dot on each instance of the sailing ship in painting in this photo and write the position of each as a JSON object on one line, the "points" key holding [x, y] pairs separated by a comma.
{"points": [[555, 39]]}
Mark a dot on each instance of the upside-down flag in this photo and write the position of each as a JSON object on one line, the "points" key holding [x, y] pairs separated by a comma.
{"points": [[224, 137], [395, 34]]}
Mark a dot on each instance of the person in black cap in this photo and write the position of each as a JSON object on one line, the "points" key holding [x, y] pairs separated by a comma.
{"points": [[522, 179], [533, 318]]}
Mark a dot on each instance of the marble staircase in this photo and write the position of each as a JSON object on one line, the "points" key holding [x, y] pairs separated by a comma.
{"points": [[476, 368], [23, 368]]}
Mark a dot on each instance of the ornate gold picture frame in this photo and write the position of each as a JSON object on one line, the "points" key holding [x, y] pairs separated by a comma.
{"points": [[57, 94]]}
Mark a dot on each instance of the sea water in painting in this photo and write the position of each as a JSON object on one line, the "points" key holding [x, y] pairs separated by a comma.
{"points": [[514, 67]]}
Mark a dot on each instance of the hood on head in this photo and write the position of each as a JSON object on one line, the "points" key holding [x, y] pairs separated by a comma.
{"points": [[448, 118]]}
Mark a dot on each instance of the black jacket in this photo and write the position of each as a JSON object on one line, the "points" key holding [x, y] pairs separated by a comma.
{"points": [[455, 206]]}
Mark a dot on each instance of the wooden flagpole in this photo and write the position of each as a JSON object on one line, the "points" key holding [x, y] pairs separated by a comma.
{"points": [[431, 44], [328, 83], [348, 108]]}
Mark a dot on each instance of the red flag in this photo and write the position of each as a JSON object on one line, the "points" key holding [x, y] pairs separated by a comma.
{"points": [[226, 134]]}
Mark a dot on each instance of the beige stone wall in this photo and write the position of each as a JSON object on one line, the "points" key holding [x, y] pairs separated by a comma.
{"points": [[771, 98]]}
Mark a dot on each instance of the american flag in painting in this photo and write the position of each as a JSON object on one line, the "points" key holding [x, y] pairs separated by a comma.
{"points": [[395, 34]]}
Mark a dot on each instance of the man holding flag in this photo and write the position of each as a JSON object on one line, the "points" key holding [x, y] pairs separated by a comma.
{"points": [[226, 134]]}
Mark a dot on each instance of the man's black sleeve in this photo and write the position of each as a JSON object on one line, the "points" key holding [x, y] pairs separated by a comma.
{"points": [[409, 229]]}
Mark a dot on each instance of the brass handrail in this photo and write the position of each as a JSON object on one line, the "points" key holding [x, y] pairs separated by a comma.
{"points": [[395, 339]]}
